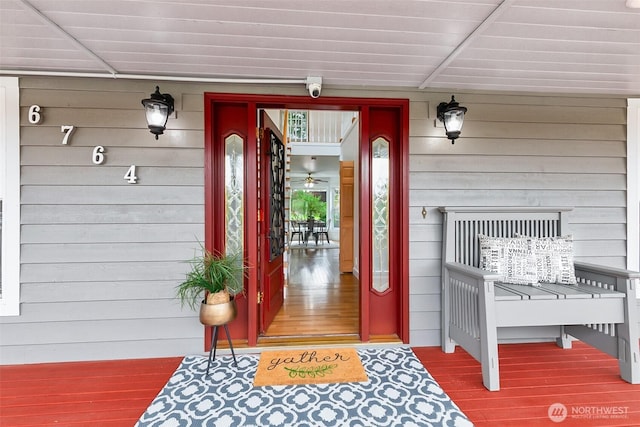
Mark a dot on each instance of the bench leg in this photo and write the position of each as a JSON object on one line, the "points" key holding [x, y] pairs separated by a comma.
{"points": [[629, 335], [488, 337], [628, 354], [564, 340], [628, 344], [490, 364], [448, 345]]}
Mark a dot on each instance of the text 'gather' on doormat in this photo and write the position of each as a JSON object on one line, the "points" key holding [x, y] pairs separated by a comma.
{"points": [[292, 367]]}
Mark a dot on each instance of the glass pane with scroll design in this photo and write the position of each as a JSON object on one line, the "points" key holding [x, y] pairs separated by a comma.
{"points": [[234, 194], [380, 214]]}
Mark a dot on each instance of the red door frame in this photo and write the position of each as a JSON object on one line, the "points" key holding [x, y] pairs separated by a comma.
{"points": [[246, 325]]}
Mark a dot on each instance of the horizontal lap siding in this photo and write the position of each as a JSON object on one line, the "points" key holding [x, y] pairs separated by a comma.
{"points": [[100, 258], [515, 151]]}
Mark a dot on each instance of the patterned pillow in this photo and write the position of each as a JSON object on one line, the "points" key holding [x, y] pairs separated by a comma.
{"points": [[555, 260], [512, 258]]}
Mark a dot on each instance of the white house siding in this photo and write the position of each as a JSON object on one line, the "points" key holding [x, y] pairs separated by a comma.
{"points": [[101, 257]]}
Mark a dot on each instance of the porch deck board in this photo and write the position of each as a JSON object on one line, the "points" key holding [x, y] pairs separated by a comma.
{"points": [[534, 376], [106, 393]]}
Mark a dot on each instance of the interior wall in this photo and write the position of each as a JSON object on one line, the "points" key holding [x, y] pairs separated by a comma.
{"points": [[350, 152], [100, 258]]}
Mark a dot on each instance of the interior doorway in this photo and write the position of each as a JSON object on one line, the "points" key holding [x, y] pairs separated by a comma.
{"points": [[232, 137], [320, 300]]}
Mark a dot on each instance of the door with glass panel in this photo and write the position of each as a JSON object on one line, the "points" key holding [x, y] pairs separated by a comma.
{"points": [[271, 205]]}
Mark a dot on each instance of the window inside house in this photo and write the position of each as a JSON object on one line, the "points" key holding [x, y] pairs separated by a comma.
{"points": [[309, 204], [298, 126], [9, 196], [335, 211]]}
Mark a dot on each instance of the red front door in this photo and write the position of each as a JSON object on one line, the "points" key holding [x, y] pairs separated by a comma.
{"points": [[271, 220], [383, 312]]}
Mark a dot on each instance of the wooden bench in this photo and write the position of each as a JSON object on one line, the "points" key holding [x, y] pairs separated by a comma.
{"points": [[478, 311]]}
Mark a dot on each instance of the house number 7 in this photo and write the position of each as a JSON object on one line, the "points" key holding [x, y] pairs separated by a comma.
{"points": [[67, 130]]}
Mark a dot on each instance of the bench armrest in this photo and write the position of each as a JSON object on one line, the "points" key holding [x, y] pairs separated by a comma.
{"points": [[601, 269], [473, 272]]}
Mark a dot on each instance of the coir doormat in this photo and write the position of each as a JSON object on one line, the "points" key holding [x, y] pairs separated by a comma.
{"points": [[294, 367]]}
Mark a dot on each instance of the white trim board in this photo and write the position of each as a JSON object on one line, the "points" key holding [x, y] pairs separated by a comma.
{"points": [[633, 184], [10, 193]]}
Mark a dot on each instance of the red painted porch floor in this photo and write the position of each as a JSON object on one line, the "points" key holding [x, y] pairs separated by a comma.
{"points": [[533, 377]]}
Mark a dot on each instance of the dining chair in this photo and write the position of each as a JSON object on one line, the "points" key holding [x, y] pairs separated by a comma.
{"points": [[296, 229], [322, 229]]}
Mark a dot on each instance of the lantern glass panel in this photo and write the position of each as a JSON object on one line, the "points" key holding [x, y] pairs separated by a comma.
{"points": [[157, 114], [453, 120]]}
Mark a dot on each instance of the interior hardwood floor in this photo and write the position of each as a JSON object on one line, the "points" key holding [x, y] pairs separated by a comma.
{"points": [[319, 303]]}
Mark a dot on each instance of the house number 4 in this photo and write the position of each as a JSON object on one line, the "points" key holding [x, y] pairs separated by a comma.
{"points": [[131, 176]]}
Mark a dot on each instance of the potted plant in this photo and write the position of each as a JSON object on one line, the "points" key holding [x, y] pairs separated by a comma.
{"points": [[213, 282]]}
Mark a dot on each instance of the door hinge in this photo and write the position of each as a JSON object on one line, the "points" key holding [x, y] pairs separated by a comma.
{"points": [[260, 133], [260, 297]]}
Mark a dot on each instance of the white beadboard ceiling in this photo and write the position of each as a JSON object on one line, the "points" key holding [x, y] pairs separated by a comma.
{"points": [[573, 46]]}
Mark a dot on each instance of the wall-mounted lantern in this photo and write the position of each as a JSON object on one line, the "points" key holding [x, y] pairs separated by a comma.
{"points": [[158, 108], [452, 115]]}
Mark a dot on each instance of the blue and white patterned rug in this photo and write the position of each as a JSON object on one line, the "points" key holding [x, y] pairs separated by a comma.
{"points": [[400, 392]]}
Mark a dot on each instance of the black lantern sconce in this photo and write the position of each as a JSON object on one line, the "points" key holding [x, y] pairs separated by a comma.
{"points": [[158, 108], [452, 115]]}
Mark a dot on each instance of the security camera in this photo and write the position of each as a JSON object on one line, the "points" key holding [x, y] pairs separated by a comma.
{"points": [[314, 86], [314, 90]]}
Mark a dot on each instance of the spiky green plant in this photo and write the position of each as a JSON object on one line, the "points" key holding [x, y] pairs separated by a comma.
{"points": [[211, 273]]}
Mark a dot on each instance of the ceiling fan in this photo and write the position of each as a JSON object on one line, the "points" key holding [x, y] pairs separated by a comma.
{"points": [[310, 181]]}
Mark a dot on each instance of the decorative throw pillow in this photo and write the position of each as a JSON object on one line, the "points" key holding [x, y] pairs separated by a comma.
{"points": [[510, 257], [491, 254], [562, 262], [545, 257], [554, 257]]}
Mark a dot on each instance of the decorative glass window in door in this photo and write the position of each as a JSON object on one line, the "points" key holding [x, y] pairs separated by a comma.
{"points": [[380, 214], [276, 204], [234, 194]]}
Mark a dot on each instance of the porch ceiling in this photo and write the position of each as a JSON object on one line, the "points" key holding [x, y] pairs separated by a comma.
{"points": [[576, 46]]}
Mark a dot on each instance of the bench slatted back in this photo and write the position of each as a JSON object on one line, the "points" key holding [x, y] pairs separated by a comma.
{"points": [[461, 226]]}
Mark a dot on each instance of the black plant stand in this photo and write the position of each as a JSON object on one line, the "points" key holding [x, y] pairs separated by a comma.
{"points": [[214, 344]]}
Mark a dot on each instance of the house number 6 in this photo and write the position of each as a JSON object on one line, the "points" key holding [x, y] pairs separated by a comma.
{"points": [[98, 155], [34, 114]]}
